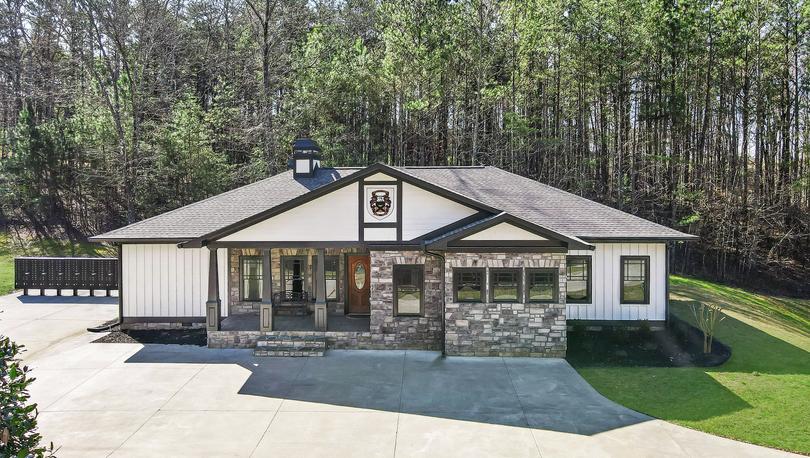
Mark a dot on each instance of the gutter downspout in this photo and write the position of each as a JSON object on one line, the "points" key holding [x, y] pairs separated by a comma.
{"points": [[120, 320], [444, 293], [667, 261]]}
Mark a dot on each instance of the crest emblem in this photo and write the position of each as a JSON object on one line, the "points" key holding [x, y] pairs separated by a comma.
{"points": [[380, 203]]}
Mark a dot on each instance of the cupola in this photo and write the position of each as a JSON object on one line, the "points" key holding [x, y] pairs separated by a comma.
{"points": [[306, 157]]}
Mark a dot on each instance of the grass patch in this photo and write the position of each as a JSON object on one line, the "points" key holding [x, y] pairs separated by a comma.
{"points": [[11, 248], [760, 395]]}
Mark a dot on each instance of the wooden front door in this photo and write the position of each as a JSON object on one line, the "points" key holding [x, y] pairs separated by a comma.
{"points": [[359, 274]]}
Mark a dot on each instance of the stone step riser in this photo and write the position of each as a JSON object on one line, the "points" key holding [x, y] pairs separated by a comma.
{"points": [[289, 351], [292, 312], [290, 343], [291, 338]]}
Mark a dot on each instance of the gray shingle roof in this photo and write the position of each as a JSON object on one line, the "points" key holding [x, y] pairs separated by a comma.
{"points": [[524, 198], [542, 204], [206, 216]]}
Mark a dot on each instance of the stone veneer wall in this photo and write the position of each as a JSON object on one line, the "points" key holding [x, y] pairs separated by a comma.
{"points": [[505, 329], [389, 331], [237, 306]]}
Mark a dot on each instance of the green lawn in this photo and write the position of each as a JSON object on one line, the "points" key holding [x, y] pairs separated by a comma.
{"points": [[10, 248], [761, 395]]}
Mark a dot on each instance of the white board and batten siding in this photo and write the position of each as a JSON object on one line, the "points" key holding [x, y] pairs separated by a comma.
{"points": [[504, 232], [424, 211], [161, 280], [606, 284], [331, 217]]}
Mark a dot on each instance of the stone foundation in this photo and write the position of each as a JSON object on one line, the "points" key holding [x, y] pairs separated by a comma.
{"points": [[505, 329]]}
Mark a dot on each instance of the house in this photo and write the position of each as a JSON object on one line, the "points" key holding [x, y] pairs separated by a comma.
{"points": [[469, 260]]}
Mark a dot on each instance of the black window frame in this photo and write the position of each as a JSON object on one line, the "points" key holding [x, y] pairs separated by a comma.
{"points": [[242, 259], [555, 283], [491, 284], [421, 269], [457, 271], [336, 258], [589, 284], [646, 259]]}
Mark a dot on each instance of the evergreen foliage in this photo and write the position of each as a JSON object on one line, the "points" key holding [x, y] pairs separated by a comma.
{"points": [[691, 113]]}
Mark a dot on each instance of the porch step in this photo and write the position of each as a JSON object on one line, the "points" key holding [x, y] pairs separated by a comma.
{"points": [[288, 344], [301, 309]]}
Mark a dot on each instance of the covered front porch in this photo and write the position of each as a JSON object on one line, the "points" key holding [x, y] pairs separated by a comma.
{"points": [[281, 287]]}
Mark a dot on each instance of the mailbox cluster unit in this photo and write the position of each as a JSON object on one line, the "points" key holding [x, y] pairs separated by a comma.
{"points": [[66, 273]]}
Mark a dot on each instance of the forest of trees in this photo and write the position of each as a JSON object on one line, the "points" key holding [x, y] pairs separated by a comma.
{"points": [[691, 113]]}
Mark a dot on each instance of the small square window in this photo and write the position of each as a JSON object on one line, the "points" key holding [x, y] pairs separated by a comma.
{"points": [[541, 285], [468, 285], [504, 285]]}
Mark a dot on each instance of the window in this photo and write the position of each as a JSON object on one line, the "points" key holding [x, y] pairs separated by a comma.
{"points": [[504, 285], [578, 279], [635, 279], [468, 285], [408, 289], [541, 285], [331, 273], [251, 278], [294, 272]]}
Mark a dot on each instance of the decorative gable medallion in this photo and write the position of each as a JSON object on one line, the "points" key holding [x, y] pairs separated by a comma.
{"points": [[380, 203]]}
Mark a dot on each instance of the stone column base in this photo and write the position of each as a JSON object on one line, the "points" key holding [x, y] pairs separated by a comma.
{"points": [[212, 315], [320, 316], [266, 317]]}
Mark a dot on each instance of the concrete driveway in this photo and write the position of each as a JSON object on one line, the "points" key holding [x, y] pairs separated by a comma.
{"points": [[170, 400]]}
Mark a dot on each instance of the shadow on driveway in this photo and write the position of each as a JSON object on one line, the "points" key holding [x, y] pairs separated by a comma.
{"points": [[539, 393], [67, 299]]}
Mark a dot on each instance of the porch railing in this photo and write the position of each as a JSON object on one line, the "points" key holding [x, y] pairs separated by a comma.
{"points": [[291, 296]]}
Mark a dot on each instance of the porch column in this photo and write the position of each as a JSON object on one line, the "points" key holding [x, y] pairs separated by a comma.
{"points": [[320, 292], [266, 307], [212, 306]]}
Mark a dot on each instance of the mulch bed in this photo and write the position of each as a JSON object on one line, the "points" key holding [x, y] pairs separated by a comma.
{"points": [[156, 336], [679, 345]]}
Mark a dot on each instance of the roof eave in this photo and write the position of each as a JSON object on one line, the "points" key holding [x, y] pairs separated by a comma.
{"points": [[669, 238], [102, 238]]}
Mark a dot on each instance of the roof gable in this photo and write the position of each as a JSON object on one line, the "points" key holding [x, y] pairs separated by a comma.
{"points": [[371, 171], [504, 231], [479, 233]]}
